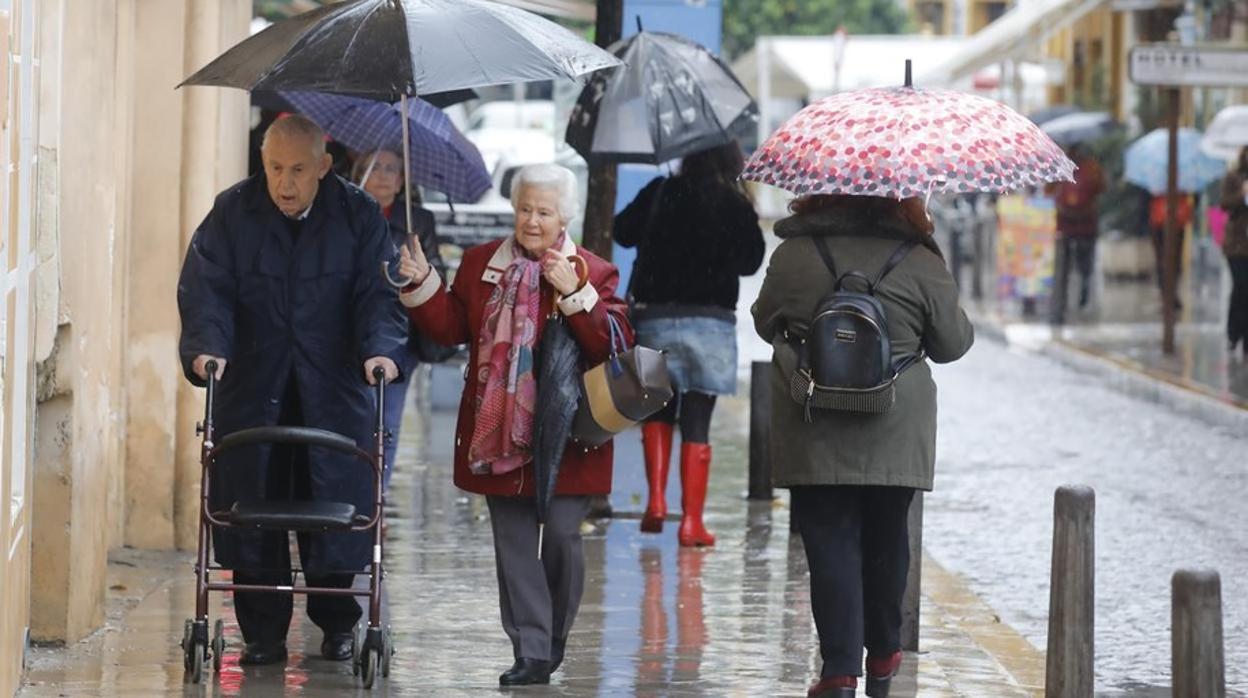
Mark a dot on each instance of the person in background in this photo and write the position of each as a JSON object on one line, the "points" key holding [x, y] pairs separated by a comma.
{"points": [[851, 475], [696, 234], [1157, 230], [380, 173], [1078, 224], [504, 295], [1234, 201]]}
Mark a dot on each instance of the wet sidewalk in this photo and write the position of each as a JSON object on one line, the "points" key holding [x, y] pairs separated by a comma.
{"points": [[1122, 326], [656, 619]]}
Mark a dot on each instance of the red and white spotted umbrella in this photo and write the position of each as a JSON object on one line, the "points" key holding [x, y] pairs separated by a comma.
{"points": [[903, 141]]}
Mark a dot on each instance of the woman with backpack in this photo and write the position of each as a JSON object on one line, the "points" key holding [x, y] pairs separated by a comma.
{"points": [[852, 474], [696, 234]]}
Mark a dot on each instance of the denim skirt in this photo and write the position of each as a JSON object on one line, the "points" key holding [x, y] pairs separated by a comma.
{"points": [[701, 352]]}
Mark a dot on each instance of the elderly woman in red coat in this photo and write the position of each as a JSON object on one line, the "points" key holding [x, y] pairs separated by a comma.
{"points": [[499, 303]]}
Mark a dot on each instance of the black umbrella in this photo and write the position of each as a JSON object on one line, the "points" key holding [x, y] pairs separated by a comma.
{"points": [[558, 393], [388, 49], [274, 101], [674, 97]]}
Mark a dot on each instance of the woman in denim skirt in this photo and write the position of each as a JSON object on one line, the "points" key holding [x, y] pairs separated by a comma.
{"points": [[696, 234]]}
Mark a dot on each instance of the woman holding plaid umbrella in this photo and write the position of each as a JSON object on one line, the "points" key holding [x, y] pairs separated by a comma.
{"points": [[380, 173]]}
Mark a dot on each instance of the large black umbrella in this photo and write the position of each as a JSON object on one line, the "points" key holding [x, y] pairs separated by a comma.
{"points": [[274, 101], [388, 49], [558, 393], [672, 98]]}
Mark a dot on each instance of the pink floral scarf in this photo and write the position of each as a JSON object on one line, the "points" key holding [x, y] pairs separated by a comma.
{"points": [[502, 437]]}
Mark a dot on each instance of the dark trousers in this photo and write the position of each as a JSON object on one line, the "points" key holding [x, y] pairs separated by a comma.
{"points": [[858, 550], [1159, 244], [1079, 253], [538, 599], [692, 410], [1237, 318], [265, 617]]}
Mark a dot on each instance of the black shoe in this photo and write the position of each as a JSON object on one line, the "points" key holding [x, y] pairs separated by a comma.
{"points": [[258, 653], [336, 647], [526, 672]]}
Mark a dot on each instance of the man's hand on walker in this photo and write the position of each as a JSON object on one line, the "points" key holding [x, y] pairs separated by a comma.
{"points": [[200, 366], [385, 363]]}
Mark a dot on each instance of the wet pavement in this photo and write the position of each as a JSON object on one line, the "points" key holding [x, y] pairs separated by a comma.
{"points": [[1171, 494], [659, 620], [656, 619]]}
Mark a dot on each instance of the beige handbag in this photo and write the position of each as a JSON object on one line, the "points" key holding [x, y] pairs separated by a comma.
{"points": [[628, 387]]}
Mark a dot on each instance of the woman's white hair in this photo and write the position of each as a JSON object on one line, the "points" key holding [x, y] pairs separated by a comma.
{"points": [[548, 176]]}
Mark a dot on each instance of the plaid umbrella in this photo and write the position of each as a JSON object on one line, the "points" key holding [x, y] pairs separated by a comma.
{"points": [[902, 142], [439, 156], [1146, 160]]}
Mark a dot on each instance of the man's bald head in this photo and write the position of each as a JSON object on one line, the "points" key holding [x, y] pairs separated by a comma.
{"points": [[294, 163]]}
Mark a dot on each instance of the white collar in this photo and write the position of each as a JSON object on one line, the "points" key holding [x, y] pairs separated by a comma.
{"points": [[506, 253]]}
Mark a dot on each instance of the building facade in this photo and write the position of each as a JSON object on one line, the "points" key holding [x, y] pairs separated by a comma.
{"points": [[109, 171]]}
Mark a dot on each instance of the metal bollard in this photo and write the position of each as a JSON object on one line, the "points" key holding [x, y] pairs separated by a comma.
{"points": [[910, 601], [1196, 659], [760, 431], [1068, 666]]}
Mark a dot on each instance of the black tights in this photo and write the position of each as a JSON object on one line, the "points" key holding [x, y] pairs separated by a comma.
{"points": [[693, 411]]}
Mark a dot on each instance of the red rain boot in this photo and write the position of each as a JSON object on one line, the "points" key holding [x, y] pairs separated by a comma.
{"points": [[880, 673], [656, 446], [695, 470]]}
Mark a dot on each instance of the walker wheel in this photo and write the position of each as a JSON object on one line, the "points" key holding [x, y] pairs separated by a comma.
{"points": [[387, 651], [368, 666], [218, 645]]}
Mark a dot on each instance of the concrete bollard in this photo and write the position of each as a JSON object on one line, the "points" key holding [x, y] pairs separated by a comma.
{"points": [[760, 430], [1196, 658], [1069, 663]]}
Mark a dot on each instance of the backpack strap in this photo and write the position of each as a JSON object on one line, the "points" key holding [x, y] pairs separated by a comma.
{"points": [[899, 254], [821, 244]]}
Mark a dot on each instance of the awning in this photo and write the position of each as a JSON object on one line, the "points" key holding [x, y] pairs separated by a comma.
{"points": [[802, 67], [1015, 35]]}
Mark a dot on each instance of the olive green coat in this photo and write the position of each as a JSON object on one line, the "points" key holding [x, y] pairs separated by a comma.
{"points": [[920, 300]]}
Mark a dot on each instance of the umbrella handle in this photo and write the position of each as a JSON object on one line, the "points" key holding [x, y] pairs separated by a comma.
{"points": [[401, 282]]}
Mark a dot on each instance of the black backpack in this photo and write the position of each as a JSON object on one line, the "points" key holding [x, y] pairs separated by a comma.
{"points": [[845, 361]]}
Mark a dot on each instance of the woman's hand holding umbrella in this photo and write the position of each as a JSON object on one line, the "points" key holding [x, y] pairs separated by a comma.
{"points": [[413, 265]]}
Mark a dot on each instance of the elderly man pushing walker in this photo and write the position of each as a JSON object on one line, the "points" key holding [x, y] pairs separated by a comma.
{"points": [[281, 288]]}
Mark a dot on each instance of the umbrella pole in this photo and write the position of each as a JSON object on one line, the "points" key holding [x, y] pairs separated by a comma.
{"points": [[541, 534], [407, 196], [407, 171]]}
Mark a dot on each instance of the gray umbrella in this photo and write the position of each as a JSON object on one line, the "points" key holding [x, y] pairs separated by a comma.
{"points": [[673, 98], [558, 393], [1079, 127]]}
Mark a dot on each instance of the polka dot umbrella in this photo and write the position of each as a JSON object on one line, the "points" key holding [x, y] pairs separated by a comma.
{"points": [[905, 141]]}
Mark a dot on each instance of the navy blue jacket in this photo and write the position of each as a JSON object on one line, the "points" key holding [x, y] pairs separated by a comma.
{"points": [[311, 309]]}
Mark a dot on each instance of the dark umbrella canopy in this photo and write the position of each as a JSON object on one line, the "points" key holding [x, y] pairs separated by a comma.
{"points": [[558, 393], [384, 49], [274, 101], [673, 98]]}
